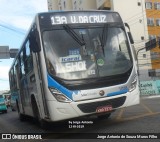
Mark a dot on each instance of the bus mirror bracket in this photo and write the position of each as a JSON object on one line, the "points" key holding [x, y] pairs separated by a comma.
{"points": [[129, 34], [130, 37]]}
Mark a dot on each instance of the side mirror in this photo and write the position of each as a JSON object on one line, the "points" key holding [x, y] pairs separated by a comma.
{"points": [[34, 41]]}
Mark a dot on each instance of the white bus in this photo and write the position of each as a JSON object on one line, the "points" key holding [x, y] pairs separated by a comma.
{"points": [[73, 64]]}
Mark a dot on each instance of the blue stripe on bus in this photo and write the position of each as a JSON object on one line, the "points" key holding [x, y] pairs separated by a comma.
{"points": [[117, 93], [56, 85]]}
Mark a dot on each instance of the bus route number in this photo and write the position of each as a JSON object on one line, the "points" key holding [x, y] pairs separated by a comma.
{"points": [[78, 19]]}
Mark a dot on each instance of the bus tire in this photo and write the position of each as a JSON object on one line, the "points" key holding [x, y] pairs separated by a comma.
{"points": [[21, 116], [104, 116], [42, 123]]}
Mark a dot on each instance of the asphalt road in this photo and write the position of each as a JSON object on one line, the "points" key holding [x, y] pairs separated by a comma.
{"points": [[142, 118]]}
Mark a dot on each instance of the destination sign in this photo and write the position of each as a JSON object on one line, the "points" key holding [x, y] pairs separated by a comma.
{"points": [[71, 19], [78, 17]]}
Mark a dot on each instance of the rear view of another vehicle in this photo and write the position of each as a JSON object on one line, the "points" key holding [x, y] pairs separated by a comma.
{"points": [[3, 107]]}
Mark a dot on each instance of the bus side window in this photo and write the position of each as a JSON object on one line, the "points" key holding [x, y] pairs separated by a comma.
{"points": [[27, 58], [22, 72], [19, 67], [11, 78], [15, 77]]}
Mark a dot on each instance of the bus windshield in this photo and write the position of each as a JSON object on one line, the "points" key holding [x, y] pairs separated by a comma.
{"points": [[104, 52]]}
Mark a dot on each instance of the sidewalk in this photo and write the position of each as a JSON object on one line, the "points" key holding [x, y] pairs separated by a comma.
{"points": [[149, 96]]}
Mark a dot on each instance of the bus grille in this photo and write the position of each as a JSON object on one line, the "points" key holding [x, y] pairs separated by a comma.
{"points": [[91, 107]]}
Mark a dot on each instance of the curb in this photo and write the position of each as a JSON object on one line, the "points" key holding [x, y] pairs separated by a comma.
{"points": [[150, 97]]}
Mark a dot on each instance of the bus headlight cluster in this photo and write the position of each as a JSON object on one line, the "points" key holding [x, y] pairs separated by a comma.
{"points": [[133, 85], [59, 95]]}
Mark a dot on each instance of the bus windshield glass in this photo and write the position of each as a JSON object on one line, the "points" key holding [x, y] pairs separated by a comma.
{"points": [[87, 51]]}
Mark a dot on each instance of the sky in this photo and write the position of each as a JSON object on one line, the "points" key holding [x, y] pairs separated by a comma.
{"points": [[16, 17]]}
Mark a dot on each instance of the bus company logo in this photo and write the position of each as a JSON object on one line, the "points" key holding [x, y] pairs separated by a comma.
{"points": [[6, 136], [101, 93]]}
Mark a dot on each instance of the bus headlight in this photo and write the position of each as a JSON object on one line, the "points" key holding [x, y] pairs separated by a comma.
{"points": [[133, 85], [59, 95]]}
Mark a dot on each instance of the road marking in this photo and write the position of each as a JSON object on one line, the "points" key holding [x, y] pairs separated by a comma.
{"points": [[149, 113], [147, 108], [140, 116]]}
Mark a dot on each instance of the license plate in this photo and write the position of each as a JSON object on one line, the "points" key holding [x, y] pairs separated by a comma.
{"points": [[104, 109]]}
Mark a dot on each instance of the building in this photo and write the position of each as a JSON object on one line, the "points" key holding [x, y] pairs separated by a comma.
{"points": [[152, 9], [84, 4], [65, 4], [153, 22], [53, 5], [71, 4], [104, 4]]}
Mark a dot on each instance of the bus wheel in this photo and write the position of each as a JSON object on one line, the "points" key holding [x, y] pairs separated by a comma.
{"points": [[21, 116], [104, 116], [41, 122]]}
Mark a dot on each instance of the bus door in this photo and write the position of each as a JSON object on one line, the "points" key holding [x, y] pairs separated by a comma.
{"points": [[19, 89], [26, 71]]}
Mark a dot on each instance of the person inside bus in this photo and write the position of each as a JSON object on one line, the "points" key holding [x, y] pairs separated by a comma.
{"points": [[109, 56]]}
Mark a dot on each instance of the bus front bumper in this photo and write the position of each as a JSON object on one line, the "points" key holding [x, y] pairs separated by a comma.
{"points": [[61, 111]]}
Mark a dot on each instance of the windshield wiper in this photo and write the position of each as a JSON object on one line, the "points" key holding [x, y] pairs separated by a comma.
{"points": [[104, 37], [74, 35]]}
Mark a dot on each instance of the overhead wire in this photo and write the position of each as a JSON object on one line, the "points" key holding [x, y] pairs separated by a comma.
{"points": [[14, 29], [17, 31], [153, 13], [143, 14]]}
